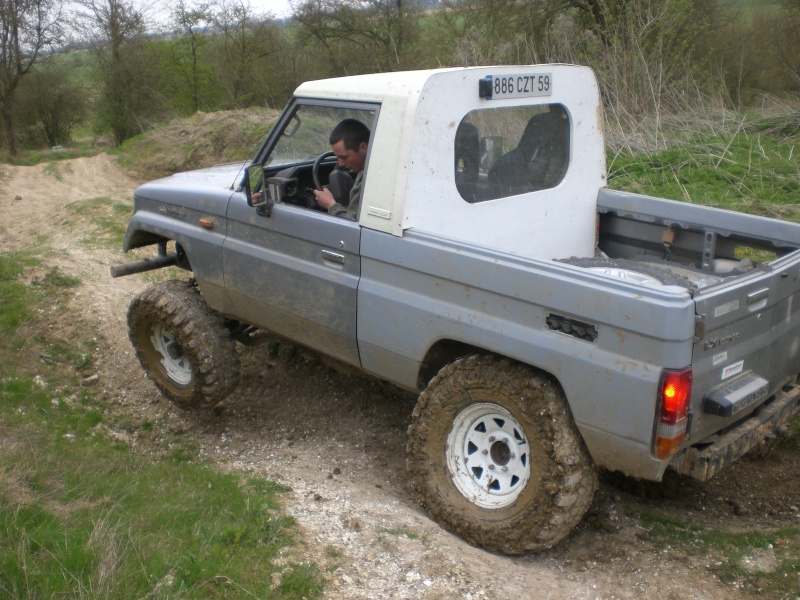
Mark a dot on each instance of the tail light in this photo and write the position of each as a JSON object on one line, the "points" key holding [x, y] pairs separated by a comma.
{"points": [[674, 396]]}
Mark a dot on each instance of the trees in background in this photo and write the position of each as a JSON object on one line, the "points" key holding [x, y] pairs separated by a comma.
{"points": [[788, 47], [127, 100], [51, 105], [485, 32], [651, 56], [187, 58], [357, 36], [246, 44], [27, 29]]}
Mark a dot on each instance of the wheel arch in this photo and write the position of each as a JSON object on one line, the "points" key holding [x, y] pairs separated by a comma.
{"points": [[445, 351], [141, 238]]}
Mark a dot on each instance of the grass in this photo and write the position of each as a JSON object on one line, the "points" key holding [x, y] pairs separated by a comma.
{"points": [[28, 157], [403, 532], [110, 218], [731, 554], [95, 520], [197, 141], [748, 168], [84, 514]]}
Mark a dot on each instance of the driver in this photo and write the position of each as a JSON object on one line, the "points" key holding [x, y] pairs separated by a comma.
{"points": [[349, 141]]}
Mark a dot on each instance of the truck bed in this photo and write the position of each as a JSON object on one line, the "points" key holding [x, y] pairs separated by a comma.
{"points": [[742, 272]]}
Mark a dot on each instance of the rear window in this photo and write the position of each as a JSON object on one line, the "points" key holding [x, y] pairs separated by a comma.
{"points": [[502, 152]]}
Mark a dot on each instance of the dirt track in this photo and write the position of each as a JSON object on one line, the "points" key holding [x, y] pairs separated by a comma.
{"points": [[338, 443]]}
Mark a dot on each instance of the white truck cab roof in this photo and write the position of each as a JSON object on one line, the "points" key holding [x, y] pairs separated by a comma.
{"points": [[413, 172]]}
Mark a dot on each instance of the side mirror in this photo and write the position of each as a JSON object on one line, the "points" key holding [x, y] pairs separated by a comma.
{"points": [[256, 191], [254, 185]]}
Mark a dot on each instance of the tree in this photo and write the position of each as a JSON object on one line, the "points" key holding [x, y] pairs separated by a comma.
{"points": [[478, 32], [126, 73], [787, 45], [188, 52], [362, 35], [646, 53], [247, 41], [51, 104], [27, 28]]}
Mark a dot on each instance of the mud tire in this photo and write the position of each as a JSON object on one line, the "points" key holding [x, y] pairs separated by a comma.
{"points": [[205, 367], [562, 479]]}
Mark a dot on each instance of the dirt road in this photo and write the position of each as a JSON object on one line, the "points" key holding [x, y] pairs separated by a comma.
{"points": [[338, 442]]}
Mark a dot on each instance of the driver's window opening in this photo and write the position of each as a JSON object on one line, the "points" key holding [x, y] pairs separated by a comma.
{"points": [[298, 163], [502, 152]]}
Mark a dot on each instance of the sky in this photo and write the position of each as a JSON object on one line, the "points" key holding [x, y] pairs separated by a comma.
{"points": [[280, 8]]}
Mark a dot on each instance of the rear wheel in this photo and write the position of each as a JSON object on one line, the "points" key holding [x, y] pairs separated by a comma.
{"points": [[182, 345], [495, 456]]}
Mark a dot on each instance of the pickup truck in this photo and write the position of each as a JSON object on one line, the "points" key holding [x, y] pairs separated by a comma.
{"points": [[550, 326]]}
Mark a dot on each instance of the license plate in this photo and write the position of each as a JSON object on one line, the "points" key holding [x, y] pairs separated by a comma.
{"points": [[496, 87]]}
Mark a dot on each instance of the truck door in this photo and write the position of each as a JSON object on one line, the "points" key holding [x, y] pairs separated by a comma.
{"points": [[294, 269], [295, 273]]}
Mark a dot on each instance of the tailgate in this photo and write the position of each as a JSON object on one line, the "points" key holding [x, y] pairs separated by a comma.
{"points": [[747, 345]]}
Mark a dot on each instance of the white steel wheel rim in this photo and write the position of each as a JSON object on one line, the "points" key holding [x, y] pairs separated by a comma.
{"points": [[488, 455], [175, 362]]}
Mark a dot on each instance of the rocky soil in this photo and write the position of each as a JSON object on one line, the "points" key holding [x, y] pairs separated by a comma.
{"points": [[338, 443]]}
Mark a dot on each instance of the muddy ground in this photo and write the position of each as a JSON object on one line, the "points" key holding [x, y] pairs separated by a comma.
{"points": [[338, 442]]}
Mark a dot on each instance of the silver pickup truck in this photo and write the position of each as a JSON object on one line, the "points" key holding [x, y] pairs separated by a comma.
{"points": [[550, 326]]}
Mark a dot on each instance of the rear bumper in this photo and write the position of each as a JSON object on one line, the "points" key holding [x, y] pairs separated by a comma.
{"points": [[704, 461]]}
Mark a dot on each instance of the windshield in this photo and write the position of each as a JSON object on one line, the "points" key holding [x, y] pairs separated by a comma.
{"points": [[306, 134]]}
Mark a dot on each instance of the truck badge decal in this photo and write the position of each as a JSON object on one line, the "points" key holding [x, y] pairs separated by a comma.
{"points": [[717, 342], [719, 358], [732, 370], [172, 212], [379, 212]]}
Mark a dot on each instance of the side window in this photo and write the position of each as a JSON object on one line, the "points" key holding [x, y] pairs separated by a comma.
{"points": [[502, 152], [301, 159], [305, 135]]}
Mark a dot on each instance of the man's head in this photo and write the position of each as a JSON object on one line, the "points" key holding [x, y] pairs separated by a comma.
{"points": [[349, 141]]}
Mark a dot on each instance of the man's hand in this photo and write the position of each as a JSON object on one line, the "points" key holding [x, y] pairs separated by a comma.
{"points": [[324, 198]]}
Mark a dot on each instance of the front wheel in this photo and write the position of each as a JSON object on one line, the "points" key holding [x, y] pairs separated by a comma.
{"points": [[182, 345], [495, 456]]}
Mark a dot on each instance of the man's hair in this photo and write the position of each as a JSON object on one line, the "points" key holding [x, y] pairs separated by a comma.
{"points": [[350, 131]]}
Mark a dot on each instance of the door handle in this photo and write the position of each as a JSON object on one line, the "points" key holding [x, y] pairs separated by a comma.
{"points": [[333, 257]]}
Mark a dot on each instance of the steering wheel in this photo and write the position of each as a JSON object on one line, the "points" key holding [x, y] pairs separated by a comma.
{"points": [[315, 168]]}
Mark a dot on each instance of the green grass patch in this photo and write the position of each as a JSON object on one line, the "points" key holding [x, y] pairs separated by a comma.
{"points": [[55, 278], [32, 157], [752, 169], [14, 306], [401, 532], [764, 562], [17, 299], [84, 515], [794, 432], [201, 140], [110, 218]]}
